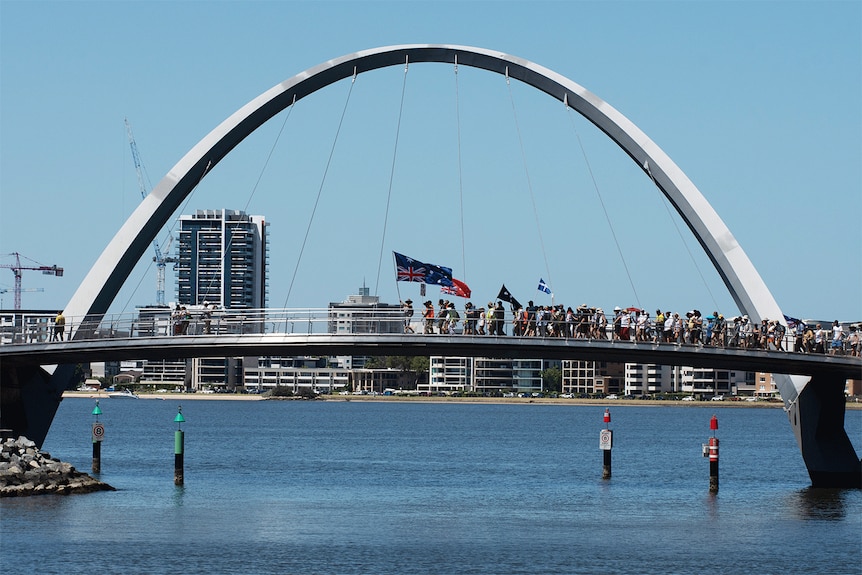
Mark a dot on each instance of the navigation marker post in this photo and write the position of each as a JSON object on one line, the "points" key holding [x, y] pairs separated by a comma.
{"points": [[179, 440], [712, 451], [98, 435], [606, 441]]}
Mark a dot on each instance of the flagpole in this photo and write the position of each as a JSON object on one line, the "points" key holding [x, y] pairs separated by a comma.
{"points": [[395, 269]]}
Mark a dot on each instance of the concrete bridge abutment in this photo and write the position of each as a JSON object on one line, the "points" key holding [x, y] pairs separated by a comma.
{"points": [[817, 418]]}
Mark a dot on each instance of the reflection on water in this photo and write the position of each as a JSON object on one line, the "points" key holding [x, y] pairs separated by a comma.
{"points": [[819, 503]]}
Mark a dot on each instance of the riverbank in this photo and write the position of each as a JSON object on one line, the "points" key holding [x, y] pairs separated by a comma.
{"points": [[166, 396], [448, 399]]}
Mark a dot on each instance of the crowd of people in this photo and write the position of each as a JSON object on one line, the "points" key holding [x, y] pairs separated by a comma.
{"points": [[632, 324]]}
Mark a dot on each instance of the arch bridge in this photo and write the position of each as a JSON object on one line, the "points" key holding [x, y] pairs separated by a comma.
{"points": [[815, 405]]}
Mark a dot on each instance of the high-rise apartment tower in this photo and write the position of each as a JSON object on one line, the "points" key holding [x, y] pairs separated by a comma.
{"points": [[222, 259]]}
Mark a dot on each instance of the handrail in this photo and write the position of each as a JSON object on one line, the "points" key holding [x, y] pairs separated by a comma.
{"points": [[198, 320]]}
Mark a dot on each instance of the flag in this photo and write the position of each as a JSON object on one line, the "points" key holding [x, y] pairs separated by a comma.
{"points": [[459, 289], [792, 321], [410, 270], [505, 295], [544, 287]]}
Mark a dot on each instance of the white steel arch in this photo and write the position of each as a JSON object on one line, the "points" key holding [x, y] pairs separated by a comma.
{"points": [[106, 277]]}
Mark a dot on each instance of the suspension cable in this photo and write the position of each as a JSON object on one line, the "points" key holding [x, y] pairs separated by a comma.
{"points": [[601, 200], [681, 237], [391, 176], [320, 189], [529, 181], [236, 226]]}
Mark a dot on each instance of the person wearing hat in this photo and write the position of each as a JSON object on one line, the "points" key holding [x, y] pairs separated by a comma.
{"points": [[471, 316], [599, 325], [428, 315], [720, 331], [407, 308], [452, 318], [442, 315]]}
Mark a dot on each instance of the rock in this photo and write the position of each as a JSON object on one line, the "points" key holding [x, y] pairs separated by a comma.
{"points": [[24, 470]]}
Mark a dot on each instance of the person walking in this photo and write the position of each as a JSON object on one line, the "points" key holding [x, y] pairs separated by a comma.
{"points": [[59, 327], [407, 309], [837, 347]]}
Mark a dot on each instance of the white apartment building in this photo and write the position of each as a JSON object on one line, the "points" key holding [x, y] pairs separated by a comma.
{"points": [[449, 374]]}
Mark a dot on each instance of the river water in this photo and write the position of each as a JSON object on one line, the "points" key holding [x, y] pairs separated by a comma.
{"points": [[299, 487]]}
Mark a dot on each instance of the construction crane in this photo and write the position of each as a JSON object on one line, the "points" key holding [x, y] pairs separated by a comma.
{"points": [[17, 268], [160, 259], [6, 290]]}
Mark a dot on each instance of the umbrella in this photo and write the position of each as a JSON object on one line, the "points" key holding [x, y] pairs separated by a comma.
{"points": [[633, 309]]}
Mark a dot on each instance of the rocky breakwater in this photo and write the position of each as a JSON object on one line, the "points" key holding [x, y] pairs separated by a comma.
{"points": [[24, 470]]}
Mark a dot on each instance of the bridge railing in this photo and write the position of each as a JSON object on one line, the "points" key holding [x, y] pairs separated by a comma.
{"points": [[192, 322], [197, 320]]}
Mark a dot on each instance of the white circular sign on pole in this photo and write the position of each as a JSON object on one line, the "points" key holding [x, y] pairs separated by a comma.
{"points": [[606, 439], [98, 432]]}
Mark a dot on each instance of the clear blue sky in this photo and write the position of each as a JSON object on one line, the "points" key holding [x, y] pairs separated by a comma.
{"points": [[757, 102]]}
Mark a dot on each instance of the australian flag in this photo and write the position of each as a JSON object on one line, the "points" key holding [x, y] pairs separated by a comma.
{"points": [[410, 270], [544, 287]]}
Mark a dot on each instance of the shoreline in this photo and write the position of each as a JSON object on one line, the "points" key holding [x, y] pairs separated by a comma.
{"points": [[447, 399]]}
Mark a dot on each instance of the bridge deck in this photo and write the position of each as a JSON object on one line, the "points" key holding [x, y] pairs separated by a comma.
{"points": [[235, 345]]}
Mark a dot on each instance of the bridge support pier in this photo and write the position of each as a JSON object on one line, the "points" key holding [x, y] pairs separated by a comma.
{"points": [[817, 418], [29, 397]]}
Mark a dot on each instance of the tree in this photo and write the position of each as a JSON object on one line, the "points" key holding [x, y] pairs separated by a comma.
{"points": [[552, 378]]}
